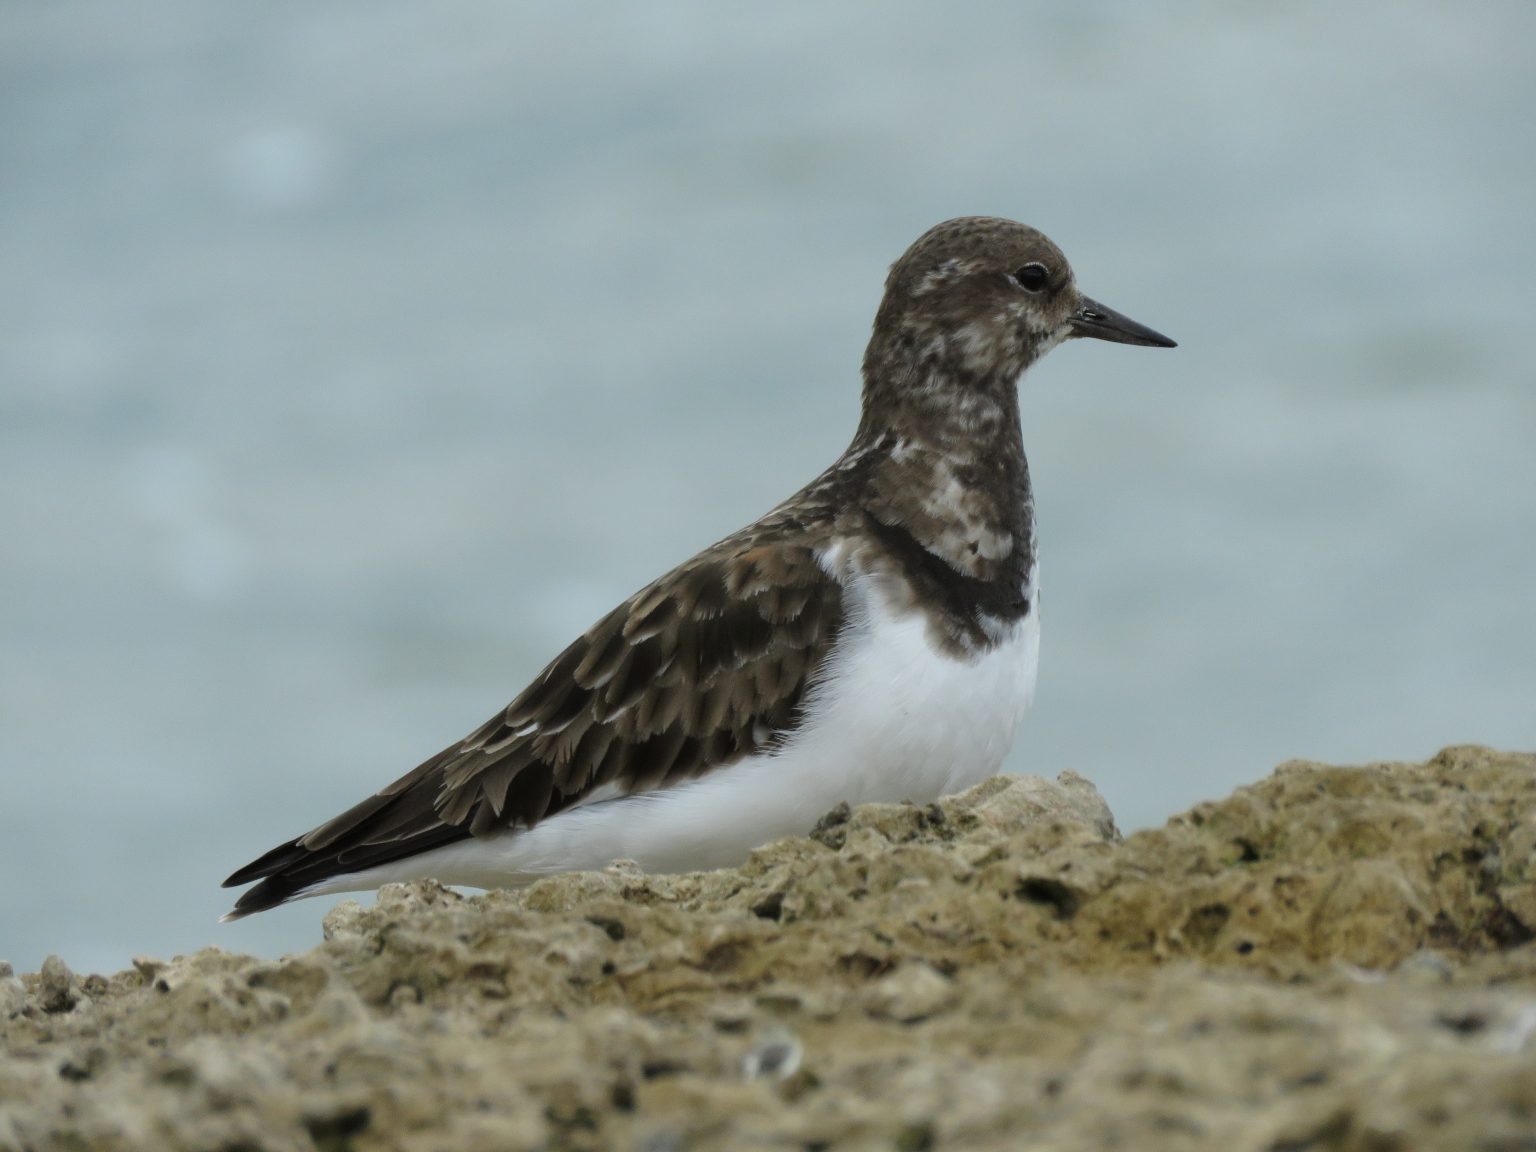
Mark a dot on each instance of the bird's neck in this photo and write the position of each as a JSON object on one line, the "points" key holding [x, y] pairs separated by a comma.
{"points": [[946, 467]]}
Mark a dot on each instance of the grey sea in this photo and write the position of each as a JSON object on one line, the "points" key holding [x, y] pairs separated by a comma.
{"points": [[353, 358]]}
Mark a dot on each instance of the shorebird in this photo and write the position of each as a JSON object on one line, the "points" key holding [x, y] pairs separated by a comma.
{"points": [[875, 637]]}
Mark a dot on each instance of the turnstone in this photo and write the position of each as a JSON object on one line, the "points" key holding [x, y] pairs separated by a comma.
{"points": [[873, 638]]}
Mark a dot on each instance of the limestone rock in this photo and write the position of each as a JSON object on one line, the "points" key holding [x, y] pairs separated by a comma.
{"points": [[1339, 958]]}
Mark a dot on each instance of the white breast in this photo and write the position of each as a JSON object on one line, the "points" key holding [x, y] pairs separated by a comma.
{"points": [[893, 718]]}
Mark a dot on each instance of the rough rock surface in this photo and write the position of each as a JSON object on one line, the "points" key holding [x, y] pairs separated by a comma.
{"points": [[1332, 959]]}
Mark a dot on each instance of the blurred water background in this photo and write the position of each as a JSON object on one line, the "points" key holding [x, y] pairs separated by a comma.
{"points": [[354, 357]]}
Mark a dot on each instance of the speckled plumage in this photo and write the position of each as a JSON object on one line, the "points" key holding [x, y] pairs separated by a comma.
{"points": [[928, 515]]}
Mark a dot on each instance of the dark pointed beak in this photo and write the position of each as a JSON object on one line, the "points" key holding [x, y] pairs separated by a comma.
{"points": [[1101, 323]]}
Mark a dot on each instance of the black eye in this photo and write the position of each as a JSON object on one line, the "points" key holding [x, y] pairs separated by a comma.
{"points": [[1032, 277]]}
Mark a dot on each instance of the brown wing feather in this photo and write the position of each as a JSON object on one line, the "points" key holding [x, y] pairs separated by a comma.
{"points": [[693, 672]]}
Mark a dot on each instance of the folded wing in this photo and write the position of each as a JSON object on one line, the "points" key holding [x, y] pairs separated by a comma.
{"points": [[703, 667]]}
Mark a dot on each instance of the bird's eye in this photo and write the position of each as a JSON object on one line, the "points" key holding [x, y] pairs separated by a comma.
{"points": [[1032, 277]]}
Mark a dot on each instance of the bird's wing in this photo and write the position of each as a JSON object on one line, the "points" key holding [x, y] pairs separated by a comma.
{"points": [[699, 669]]}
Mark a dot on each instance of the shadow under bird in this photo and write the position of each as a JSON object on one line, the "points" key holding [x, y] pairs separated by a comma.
{"points": [[873, 638]]}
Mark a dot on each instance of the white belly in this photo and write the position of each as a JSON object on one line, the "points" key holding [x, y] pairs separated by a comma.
{"points": [[893, 719]]}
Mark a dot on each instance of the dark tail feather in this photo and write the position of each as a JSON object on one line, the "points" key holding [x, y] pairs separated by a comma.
{"points": [[351, 842], [269, 893], [289, 869], [283, 856]]}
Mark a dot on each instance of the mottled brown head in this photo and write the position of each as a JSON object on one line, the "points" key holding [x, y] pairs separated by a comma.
{"points": [[984, 298]]}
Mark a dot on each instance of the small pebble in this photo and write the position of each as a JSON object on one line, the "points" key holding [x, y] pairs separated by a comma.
{"points": [[912, 992], [56, 986], [1427, 967], [776, 1055], [13, 993]]}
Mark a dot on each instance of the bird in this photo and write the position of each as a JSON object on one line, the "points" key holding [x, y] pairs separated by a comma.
{"points": [[875, 637]]}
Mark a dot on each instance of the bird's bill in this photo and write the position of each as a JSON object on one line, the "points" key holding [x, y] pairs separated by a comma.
{"points": [[1101, 323]]}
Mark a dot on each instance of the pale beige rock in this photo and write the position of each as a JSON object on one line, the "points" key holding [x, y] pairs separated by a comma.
{"points": [[1331, 959], [13, 993], [1025, 800], [912, 991], [57, 990]]}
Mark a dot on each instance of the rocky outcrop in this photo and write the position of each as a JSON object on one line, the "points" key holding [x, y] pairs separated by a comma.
{"points": [[1334, 958]]}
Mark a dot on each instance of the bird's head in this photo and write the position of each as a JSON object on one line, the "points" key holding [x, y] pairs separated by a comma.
{"points": [[987, 297]]}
